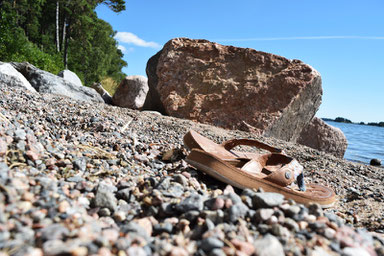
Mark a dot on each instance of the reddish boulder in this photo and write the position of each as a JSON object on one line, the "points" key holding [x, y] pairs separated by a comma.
{"points": [[234, 88], [324, 137]]}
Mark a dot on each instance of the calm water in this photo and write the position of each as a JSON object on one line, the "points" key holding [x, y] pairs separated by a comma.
{"points": [[364, 142]]}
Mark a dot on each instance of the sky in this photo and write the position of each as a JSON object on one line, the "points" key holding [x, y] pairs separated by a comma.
{"points": [[343, 40]]}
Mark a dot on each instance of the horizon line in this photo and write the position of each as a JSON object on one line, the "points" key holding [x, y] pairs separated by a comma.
{"points": [[300, 38]]}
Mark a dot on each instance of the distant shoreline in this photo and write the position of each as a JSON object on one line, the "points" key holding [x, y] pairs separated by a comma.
{"points": [[347, 121]]}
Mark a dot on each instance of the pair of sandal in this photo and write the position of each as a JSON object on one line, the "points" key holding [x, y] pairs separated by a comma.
{"points": [[273, 172]]}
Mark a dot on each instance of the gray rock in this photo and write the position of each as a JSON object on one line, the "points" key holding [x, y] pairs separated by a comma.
{"points": [[45, 82], [55, 247], [210, 243], [268, 246], [263, 214], [70, 77], [54, 232], [105, 199], [237, 211], [11, 77], [103, 93], [267, 200], [162, 227], [131, 92], [193, 202]]}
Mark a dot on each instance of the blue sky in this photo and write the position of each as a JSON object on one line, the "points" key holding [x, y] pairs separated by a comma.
{"points": [[343, 40]]}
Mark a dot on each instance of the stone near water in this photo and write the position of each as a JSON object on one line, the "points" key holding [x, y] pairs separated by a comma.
{"points": [[375, 162], [234, 88], [324, 137], [131, 92], [11, 77]]}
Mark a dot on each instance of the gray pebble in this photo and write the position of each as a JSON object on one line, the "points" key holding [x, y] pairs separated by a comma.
{"points": [[193, 202], [269, 245], [210, 243], [105, 199], [267, 200]]}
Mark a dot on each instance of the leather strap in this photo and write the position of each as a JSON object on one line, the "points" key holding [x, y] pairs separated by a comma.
{"points": [[230, 144]]}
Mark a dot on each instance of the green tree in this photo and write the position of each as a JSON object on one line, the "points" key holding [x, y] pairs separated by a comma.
{"points": [[53, 34]]}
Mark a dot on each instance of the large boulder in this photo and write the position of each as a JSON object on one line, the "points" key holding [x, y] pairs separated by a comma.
{"points": [[131, 92], [103, 93], [11, 77], [45, 82], [234, 88], [70, 77], [324, 137]]}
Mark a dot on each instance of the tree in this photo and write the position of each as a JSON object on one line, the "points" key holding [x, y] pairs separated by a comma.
{"points": [[53, 34]]}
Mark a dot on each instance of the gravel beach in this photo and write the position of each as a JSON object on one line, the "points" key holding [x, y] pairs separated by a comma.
{"points": [[80, 178]]}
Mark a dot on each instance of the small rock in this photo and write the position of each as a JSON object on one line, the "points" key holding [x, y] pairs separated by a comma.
{"points": [[355, 251], [375, 162], [104, 212], [105, 198], [237, 211], [263, 214], [267, 200], [268, 246], [193, 202], [63, 206], [315, 209], [329, 233], [119, 216], [3, 147], [210, 243], [244, 247], [162, 227], [215, 203]]}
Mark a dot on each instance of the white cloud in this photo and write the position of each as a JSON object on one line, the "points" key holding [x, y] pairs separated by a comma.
{"points": [[130, 38], [300, 38], [122, 48]]}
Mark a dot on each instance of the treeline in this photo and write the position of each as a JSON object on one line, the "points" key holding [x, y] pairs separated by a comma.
{"points": [[58, 34], [344, 120]]}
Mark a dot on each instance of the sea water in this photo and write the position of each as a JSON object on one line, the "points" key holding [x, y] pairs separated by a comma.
{"points": [[365, 142]]}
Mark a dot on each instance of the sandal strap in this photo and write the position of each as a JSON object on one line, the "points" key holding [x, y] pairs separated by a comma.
{"points": [[230, 144], [283, 176]]}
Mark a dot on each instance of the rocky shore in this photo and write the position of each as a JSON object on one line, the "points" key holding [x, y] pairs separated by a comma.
{"points": [[81, 178]]}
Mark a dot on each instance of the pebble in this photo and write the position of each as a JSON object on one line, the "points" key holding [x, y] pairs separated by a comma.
{"points": [[105, 199], [267, 200], [210, 243], [268, 245]]}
